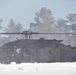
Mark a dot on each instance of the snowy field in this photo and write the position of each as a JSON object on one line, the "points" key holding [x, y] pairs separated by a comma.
{"points": [[38, 69]]}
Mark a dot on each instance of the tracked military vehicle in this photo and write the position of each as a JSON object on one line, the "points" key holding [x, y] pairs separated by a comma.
{"points": [[36, 50]]}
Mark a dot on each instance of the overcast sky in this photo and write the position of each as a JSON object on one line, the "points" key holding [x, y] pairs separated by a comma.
{"points": [[24, 10]]}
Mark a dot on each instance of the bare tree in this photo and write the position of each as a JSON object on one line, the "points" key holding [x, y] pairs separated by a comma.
{"points": [[43, 20], [71, 21], [63, 27], [12, 27]]}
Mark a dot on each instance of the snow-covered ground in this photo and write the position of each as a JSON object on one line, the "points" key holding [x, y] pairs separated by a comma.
{"points": [[38, 69]]}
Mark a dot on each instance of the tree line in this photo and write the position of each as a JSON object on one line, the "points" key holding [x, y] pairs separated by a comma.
{"points": [[44, 22]]}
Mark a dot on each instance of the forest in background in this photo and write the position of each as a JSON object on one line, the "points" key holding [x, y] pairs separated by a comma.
{"points": [[44, 21]]}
